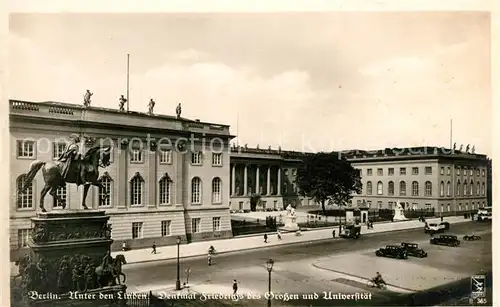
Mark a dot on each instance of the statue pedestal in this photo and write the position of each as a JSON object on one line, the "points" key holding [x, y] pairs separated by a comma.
{"points": [[66, 247], [399, 215], [290, 223]]}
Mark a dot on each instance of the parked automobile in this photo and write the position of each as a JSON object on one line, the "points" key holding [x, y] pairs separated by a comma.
{"points": [[414, 250], [448, 240], [392, 251], [434, 227], [471, 238]]}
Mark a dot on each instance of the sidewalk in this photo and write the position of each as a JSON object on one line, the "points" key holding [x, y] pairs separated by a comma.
{"points": [[252, 242]]}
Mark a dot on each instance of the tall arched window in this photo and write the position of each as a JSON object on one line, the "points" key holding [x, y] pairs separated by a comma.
{"points": [[414, 188], [428, 188], [390, 189], [459, 187], [216, 190], [24, 200], [471, 189], [62, 193], [441, 189], [402, 188], [105, 193], [466, 191], [196, 190], [380, 188], [448, 188], [369, 188], [483, 189], [136, 193], [164, 189], [478, 189]]}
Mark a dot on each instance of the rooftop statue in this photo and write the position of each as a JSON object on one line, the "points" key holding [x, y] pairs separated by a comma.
{"points": [[151, 106], [86, 98], [178, 110], [123, 100]]}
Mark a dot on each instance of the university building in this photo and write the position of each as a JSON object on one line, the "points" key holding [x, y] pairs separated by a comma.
{"points": [[448, 182], [165, 179]]}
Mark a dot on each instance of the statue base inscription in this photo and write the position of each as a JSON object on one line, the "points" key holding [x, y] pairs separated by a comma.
{"points": [[70, 253], [290, 224]]}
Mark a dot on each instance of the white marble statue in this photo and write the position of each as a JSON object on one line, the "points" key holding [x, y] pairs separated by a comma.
{"points": [[290, 210]]}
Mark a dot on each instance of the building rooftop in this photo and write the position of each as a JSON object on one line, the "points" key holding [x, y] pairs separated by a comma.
{"points": [[359, 155], [61, 111]]}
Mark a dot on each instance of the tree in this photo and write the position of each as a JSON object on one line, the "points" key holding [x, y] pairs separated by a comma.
{"points": [[328, 177]]}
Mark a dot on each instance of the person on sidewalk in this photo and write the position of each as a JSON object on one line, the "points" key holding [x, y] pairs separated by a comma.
{"points": [[279, 234], [154, 248], [333, 233], [265, 238], [235, 286], [124, 246]]}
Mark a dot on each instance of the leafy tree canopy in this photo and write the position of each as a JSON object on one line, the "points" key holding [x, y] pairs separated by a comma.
{"points": [[328, 176]]}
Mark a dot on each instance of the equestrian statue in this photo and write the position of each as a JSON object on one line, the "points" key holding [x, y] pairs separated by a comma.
{"points": [[71, 167], [110, 270]]}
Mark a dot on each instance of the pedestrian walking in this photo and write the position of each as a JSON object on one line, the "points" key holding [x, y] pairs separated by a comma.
{"points": [[279, 234], [154, 248], [235, 286], [265, 238], [124, 246], [333, 233], [441, 218]]}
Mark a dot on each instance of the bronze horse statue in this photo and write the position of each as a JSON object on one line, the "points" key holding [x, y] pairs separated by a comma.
{"points": [[82, 172], [111, 275]]}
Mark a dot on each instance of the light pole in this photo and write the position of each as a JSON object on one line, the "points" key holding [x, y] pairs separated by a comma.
{"points": [[178, 281], [270, 264]]}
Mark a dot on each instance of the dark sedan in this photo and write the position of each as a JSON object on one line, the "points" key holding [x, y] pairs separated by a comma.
{"points": [[414, 250]]}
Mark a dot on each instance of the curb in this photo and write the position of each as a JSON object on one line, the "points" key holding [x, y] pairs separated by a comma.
{"points": [[361, 277], [278, 245]]}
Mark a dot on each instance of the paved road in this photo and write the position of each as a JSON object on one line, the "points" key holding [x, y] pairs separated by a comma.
{"points": [[293, 270]]}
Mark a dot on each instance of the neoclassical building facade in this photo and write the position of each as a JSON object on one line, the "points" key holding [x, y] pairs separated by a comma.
{"points": [[169, 176]]}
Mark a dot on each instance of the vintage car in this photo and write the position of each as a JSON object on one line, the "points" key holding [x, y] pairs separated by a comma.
{"points": [[471, 238], [448, 240], [414, 250], [351, 231], [434, 227], [392, 251]]}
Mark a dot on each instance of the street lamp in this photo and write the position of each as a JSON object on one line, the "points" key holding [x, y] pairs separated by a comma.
{"points": [[270, 264], [178, 281]]}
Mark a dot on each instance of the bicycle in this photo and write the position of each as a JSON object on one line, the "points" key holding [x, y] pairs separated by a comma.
{"points": [[372, 284]]}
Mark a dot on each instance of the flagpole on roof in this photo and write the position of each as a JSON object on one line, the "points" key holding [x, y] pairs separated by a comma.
{"points": [[128, 66]]}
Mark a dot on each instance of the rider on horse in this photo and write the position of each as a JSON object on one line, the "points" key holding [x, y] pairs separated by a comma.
{"points": [[107, 262], [71, 154]]}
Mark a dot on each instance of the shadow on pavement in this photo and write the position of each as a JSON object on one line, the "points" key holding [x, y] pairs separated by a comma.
{"points": [[451, 294]]}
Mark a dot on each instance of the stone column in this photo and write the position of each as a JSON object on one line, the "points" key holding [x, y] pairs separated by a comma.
{"points": [[278, 181], [245, 181], [152, 165], [178, 157], [122, 174], [233, 180], [257, 188], [269, 180]]}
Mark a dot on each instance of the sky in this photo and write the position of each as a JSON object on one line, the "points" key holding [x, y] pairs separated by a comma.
{"points": [[302, 81]]}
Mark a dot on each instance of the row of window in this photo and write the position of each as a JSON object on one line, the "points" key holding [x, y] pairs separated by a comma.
{"points": [[25, 200], [414, 206], [427, 170], [137, 227], [480, 189], [26, 149], [137, 230]]}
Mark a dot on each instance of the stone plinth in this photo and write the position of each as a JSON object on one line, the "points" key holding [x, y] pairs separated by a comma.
{"points": [[66, 247], [290, 223], [56, 234]]}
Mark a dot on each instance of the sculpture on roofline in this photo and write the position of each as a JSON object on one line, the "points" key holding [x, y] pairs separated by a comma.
{"points": [[86, 98], [178, 110], [123, 100], [151, 106]]}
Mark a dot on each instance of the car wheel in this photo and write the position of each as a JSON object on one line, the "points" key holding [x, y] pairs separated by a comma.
{"points": [[378, 254]]}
